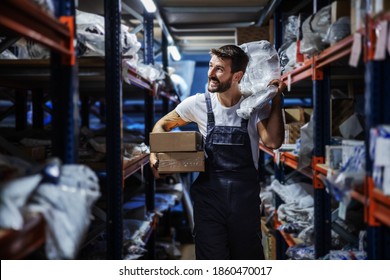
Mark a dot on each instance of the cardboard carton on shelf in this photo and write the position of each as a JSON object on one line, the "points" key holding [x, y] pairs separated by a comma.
{"points": [[179, 162], [341, 110], [183, 141], [294, 119]]}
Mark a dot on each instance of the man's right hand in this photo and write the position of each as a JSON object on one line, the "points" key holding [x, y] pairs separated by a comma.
{"points": [[153, 160]]}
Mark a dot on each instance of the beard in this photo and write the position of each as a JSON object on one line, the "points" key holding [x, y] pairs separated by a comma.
{"points": [[219, 87]]}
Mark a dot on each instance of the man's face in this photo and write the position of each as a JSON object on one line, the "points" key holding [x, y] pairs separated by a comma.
{"points": [[220, 74]]}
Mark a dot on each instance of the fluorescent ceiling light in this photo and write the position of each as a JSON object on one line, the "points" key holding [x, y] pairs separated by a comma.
{"points": [[149, 5], [174, 53]]}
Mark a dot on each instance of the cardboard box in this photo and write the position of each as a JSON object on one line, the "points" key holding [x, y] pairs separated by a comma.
{"points": [[181, 162], [269, 242], [340, 8], [184, 141], [37, 153], [294, 119], [253, 33], [341, 109]]}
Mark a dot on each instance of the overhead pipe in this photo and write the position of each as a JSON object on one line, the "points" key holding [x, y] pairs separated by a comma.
{"points": [[267, 11]]}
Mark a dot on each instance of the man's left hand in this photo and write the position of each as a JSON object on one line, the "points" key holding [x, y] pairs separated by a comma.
{"points": [[279, 84]]}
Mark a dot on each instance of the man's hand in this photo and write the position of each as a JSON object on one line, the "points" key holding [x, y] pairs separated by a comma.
{"points": [[153, 160], [279, 84]]}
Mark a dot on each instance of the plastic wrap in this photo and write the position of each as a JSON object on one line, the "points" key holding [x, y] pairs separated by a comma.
{"points": [[314, 30], [14, 195], [291, 29], [256, 101], [352, 173], [301, 252], [46, 5], [90, 34], [293, 193], [338, 30], [150, 72], [306, 144], [379, 145], [66, 206], [263, 67], [134, 231], [346, 255], [28, 49], [287, 54], [7, 55]]}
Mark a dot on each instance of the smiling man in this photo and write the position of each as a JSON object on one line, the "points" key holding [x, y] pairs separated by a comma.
{"points": [[226, 196]]}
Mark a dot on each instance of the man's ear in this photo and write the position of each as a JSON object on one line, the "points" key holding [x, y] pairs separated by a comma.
{"points": [[238, 76]]}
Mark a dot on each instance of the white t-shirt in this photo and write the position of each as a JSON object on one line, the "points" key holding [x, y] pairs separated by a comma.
{"points": [[194, 109]]}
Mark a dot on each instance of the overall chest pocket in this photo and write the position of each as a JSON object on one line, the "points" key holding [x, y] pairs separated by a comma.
{"points": [[230, 139]]}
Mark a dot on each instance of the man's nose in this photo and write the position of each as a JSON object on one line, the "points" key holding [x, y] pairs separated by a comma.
{"points": [[211, 73]]}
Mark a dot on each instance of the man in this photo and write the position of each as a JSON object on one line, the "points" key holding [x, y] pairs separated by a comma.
{"points": [[226, 196]]}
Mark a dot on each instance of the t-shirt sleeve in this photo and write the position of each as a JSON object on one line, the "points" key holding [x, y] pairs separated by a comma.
{"points": [[263, 113], [185, 109]]}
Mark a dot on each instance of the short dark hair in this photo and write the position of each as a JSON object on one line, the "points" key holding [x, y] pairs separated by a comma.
{"points": [[239, 58]]}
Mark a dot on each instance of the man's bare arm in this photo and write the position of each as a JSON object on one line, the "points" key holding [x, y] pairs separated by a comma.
{"points": [[271, 130], [169, 122]]}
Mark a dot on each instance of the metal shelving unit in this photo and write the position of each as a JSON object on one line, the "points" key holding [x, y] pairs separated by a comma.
{"points": [[376, 95], [377, 205], [24, 18]]}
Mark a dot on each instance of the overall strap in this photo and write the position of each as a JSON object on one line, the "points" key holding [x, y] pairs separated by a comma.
{"points": [[244, 123], [210, 114]]}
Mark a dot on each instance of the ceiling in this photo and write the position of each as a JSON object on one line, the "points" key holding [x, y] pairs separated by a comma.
{"points": [[194, 25], [198, 25]]}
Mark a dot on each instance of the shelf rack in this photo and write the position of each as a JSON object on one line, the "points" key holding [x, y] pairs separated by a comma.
{"points": [[19, 244], [377, 205], [376, 113], [24, 18]]}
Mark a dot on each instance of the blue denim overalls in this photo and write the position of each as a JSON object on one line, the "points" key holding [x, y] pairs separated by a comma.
{"points": [[226, 196]]}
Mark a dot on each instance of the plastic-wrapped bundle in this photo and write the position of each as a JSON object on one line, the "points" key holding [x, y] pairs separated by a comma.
{"points": [[288, 56], [66, 206], [256, 101], [28, 49], [7, 55], [149, 72], [263, 67], [291, 29], [351, 174], [301, 252], [314, 30], [90, 33], [338, 30], [46, 5]]}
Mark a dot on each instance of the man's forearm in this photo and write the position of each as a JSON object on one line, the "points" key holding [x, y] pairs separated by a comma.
{"points": [[275, 126]]}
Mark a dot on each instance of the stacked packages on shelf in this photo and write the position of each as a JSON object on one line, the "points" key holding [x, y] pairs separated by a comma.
{"points": [[379, 154]]}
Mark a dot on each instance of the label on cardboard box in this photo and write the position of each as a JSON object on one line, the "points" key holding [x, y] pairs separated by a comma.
{"points": [[183, 141], [177, 162]]}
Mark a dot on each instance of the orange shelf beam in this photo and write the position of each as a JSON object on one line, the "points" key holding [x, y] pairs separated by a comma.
{"points": [[335, 52], [27, 19], [300, 73], [287, 237], [135, 165], [19, 244]]}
